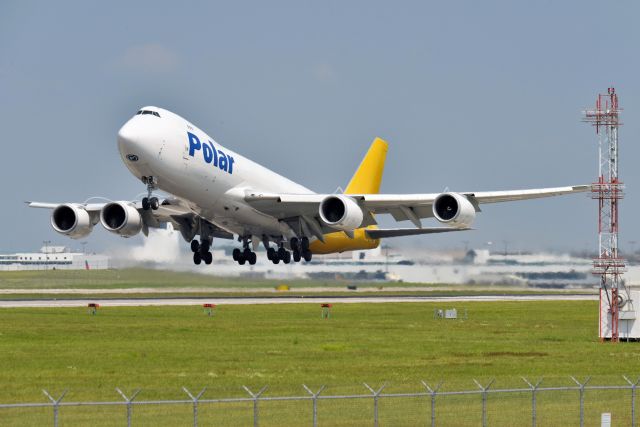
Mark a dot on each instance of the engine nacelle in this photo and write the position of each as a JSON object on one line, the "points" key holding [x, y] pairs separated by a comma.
{"points": [[121, 218], [454, 209], [341, 212], [71, 220]]}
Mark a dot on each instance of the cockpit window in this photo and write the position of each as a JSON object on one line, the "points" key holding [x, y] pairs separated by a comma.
{"points": [[144, 112]]}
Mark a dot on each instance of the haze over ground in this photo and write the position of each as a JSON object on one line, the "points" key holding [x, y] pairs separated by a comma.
{"points": [[470, 96]]}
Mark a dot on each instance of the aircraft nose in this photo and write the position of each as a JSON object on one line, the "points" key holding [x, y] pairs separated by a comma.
{"points": [[133, 142], [128, 137]]}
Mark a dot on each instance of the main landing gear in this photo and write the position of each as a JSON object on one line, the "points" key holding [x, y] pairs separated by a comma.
{"points": [[150, 202], [201, 252], [299, 250], [245, 255]]}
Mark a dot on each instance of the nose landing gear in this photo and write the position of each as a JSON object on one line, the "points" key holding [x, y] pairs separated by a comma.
{"points": [[150, 202]]}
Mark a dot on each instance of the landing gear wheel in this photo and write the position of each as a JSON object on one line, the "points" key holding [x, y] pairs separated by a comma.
{"points": [[252, 258], [271, 254], [207, 257], [145, 204], [197, 258], [154, 203], [242, 259], [304, 244], [236, 254], [296, 255], [287, 257], [294, 243], [204, 246], [281, 253], [195, 246], [306, 255], [275, 260]]}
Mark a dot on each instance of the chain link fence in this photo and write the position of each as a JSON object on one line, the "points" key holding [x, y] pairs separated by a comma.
{"points": [[481, 405]]}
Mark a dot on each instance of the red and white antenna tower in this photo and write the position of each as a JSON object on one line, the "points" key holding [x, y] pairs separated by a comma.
{"points": [[608, 191]]}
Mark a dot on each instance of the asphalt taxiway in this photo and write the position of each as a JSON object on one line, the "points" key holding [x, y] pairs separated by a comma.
{"points": [[186, 301]]}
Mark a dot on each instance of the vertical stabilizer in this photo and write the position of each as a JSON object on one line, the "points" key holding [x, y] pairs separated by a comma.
{"points": [[368, 177]]}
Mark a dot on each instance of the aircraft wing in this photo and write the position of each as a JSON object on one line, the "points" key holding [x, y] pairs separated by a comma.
{"points": [[171, 210], [412, 207], [167, 208]]}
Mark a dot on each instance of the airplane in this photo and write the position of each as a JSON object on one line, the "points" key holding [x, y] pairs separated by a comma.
{"points": [[214, 192]]}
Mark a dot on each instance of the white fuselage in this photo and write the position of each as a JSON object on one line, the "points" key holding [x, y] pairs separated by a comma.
{"points": [[191, 165]]}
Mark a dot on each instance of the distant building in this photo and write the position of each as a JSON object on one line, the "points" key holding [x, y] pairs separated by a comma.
{"points": [[53, 258]]}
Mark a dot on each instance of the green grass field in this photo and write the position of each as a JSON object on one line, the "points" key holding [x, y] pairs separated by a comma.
{"points": [[170, 283], [121, 278], [283, 346]]}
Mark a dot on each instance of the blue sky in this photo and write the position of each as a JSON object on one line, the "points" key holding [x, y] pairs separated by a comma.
{"points": [[470, 95]]}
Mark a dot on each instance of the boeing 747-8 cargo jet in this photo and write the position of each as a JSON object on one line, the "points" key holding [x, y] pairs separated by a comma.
{"points": [[217, 193]]}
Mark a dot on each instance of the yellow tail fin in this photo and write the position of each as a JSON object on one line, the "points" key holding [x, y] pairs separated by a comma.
{"points": [[368, 177]]}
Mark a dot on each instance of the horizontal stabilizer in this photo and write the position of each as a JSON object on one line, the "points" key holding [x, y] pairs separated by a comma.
{"points": [[398, 232]]}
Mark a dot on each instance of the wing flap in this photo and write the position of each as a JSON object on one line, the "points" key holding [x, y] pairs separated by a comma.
{"points": [[398, 232]]}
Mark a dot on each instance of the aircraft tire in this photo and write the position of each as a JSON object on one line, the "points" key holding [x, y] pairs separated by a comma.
{"points": [[271, 254], [197, 258], [154, 203], [242, 260], [252, 258], [236, 254], [145, 204], [195, 246], [287, 257], [208, 258], [294, 243], [307, 255], [296, 255], [304, 244]]}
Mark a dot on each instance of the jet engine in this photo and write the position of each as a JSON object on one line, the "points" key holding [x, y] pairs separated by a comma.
{"points": [[121, 218], [454, 209], [341, 212], [71, 220]]}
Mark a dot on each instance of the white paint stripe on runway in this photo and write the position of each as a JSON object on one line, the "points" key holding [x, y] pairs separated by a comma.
{"points": [[135, 302]]}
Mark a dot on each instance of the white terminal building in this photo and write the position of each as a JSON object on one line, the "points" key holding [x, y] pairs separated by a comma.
{"points": [[53, 258]]}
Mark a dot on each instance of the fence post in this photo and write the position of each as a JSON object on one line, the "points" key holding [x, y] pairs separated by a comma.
{"points": [[534, 389], [314, 397], [255, 397], [484, 400], [633, 399], [129, 401], [195, 403], [376, 395], [433, 393], [581, 385], [56, 405]]}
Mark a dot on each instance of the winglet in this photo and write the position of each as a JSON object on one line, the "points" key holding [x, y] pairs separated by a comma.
{"points": [[368, 177]]}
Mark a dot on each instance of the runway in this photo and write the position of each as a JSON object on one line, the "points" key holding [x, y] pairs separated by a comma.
{"points": [[315, 299]]}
